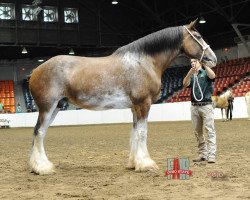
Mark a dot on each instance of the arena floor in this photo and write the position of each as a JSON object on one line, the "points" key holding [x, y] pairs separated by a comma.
{"points": [[91, 160]]}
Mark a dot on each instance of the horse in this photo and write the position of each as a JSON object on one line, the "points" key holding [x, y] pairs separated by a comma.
{"points": [[222, 102], [128, 78], [247, 99]]}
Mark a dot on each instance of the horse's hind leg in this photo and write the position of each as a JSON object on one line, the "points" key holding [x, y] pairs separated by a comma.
{"points": [[38, 161], [139, 157], [227, 113]]}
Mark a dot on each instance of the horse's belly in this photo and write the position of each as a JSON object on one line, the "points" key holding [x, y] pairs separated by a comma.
{"points": [[117, 100]]}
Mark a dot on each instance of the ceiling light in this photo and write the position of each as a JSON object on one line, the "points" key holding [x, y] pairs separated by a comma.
{"points": [[24, 51], [71, 52], [114, 2], [202, 20], [40, 60]]}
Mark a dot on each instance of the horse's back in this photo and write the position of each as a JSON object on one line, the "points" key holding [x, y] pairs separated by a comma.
{"points": [[70, 62], [54, 76], [64, 66]]}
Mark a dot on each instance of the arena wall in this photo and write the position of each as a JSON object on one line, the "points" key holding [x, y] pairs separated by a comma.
{"points": [[160, 112]]}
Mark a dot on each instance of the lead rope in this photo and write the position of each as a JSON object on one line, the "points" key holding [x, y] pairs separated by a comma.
{"points": [[195, 75], [199, 87]]}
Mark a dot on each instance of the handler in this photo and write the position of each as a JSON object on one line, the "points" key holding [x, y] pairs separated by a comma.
{"points": [[202, 111], [230, 108]]}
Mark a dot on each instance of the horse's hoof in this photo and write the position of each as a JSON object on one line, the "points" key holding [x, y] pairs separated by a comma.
{"points": [[146, 165], [130, 165], [43, 169]]}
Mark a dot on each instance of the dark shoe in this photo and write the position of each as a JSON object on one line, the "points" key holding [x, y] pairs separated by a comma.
{"points": [[199, 159], [211, 160]]}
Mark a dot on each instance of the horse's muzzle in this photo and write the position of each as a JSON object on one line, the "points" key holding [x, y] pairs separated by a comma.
{"points": [[209, 62]]}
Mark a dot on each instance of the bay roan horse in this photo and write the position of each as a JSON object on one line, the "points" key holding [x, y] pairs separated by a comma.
{"points": [[222, 101], [129, 78], [247, 98]]}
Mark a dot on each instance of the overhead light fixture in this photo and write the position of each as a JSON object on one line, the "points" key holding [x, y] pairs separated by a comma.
{"points": [[114, 2], [71, 52], [202, 20], [24, 51], [40, 60]]}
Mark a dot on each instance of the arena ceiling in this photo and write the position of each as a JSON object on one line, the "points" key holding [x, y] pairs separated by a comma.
{"points": [[103, 27]]}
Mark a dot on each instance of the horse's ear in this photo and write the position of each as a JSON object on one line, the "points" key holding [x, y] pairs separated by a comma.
{"points": [[193, 24]]}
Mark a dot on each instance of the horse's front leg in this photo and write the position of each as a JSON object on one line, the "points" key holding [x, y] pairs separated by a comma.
{"points": [[139, 157]]}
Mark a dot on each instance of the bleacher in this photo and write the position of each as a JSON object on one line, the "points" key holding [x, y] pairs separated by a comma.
{"points": [[7, 96], [172, 81], [29, 101], [242, 87]]}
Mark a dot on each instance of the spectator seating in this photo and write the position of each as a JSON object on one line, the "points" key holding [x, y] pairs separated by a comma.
{"points": [[29, 101], [7, 95], [172, 81], [242, 87]]}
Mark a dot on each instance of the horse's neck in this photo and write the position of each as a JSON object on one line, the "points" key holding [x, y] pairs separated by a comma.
{"points": [[163, 59], [226, 94]]}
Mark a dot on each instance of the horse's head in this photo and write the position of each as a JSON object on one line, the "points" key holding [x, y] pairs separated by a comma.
{"points": [[195, 47], [228, 94]]}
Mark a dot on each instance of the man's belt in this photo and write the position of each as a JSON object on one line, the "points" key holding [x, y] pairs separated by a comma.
{"points": [[200, 103]]}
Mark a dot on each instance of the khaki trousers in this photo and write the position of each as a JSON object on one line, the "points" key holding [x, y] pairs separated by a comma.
{"points": [[203, 118]]}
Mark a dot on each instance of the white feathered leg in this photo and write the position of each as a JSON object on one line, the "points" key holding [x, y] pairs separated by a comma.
{"points": [[143, 162], [139, 157], [38, 161]]}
